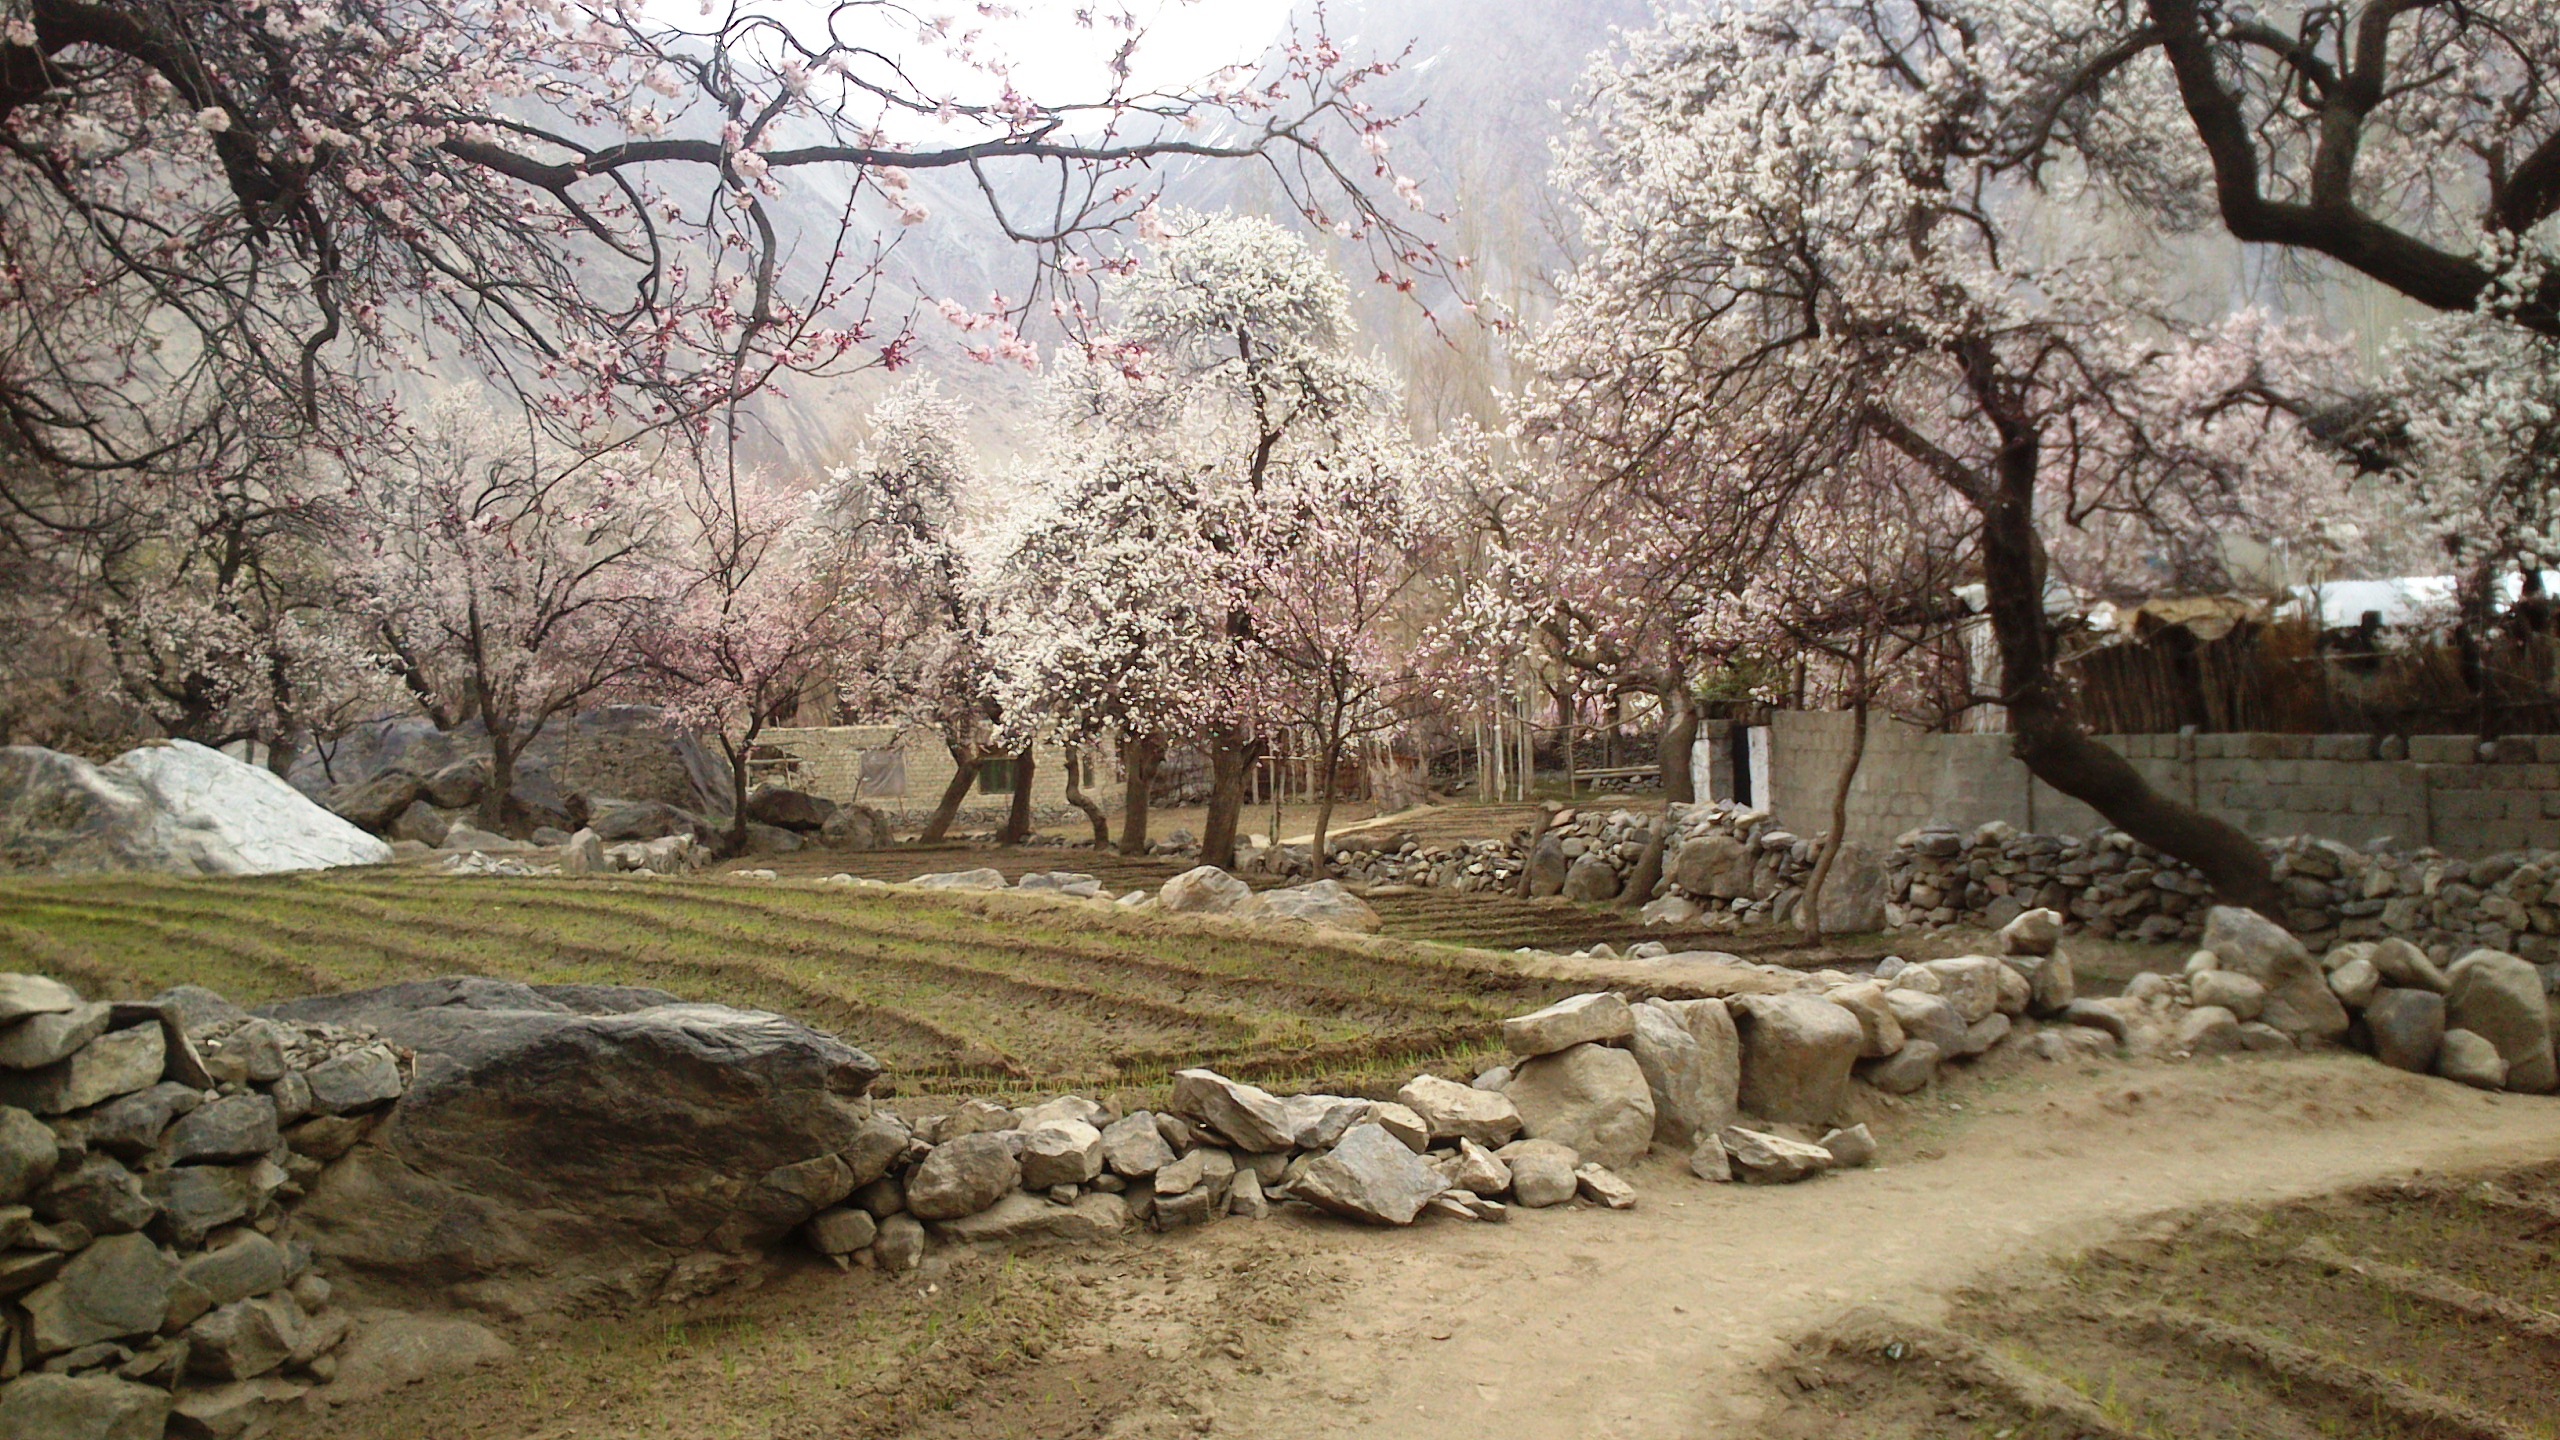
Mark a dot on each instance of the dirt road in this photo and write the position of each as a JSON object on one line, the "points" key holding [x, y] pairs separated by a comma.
{"points": [[1599, 1326]]}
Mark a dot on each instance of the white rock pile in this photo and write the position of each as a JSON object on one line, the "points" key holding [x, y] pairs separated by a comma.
{"points": [[151, 1156]]}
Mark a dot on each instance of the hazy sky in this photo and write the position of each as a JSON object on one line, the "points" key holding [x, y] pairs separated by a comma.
{"points": [[1183, 41]]}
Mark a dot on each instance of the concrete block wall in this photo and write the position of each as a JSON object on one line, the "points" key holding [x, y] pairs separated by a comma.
{"points": [[2332, 787], [830, 765]]}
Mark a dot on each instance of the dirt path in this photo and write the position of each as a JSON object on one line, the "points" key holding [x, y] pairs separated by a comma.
{"points": [[1599, 1326]]}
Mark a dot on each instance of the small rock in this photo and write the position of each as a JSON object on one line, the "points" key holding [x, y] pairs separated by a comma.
{"points": [[28, 1154], [1134, 1148], [355, 1081], [1880, 1032], [1317, 1121], [840, 1231], [1906, 1071], [2354, 983], [1601, 1186], [234, 1127], [395, 1349], [2471, 1059], [81, 1407], [962, 1177], [1851, 1149], [1021, 1219], [1245, 1197], [1400, 1121], [2034, 932], [24, 995], [1709, 1161], [1060, 1152], [244, 1339], [2230, 990], [1479, 1171], [1451, 1111], [900, 1247], [1541, 1172], [1764, 1159], [2499, 998], [2209, 1030], [99, 1195]]}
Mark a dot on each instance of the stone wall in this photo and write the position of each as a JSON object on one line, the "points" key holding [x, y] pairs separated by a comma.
{"points": [[830, 765], [2430, 790]]}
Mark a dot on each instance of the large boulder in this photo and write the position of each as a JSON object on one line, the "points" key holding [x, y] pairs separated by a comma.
{"points": [[1325, 903], [374, 804], [1246, 1116], [855, 827], [1716, 866], [175, 808], [966, 1175], [1548, 867], [626, 752], [1590, 1098], [1369, 1175], [1208, 890], [2499, 998], [787, 809], [1719, 1040], [1797, 1052], [1590, 881], [2298, 999], [1569, 1022], [1676, 1073], [1853, 894], [617, 820], [2407, 1028], [568, 1142]]}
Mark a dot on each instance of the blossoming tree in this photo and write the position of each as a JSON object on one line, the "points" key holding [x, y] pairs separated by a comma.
{"points": [[1803, 241]]}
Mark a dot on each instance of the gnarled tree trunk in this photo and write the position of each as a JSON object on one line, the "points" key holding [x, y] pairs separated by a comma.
{"points": [[1809, 910], [2045, 735], [964, 773], [1076, 766]]}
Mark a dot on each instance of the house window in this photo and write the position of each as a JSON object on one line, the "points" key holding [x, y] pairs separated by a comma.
{"points": [[995, 776]]}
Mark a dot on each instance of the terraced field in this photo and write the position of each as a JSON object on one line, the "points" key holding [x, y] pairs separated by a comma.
{"points": [[962, 993], [2421, 1311]]}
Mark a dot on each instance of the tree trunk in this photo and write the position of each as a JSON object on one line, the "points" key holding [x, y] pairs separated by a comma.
{"points": [[1809, 910], [2049, 741], [737, 841], [1138, 757], [1017, 815], [1324, 803], [1679, 738], [964, 773], [502, 779], [1076, 766], [1231, 759]]}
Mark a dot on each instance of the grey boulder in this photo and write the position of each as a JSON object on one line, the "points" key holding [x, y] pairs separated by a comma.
{"points": [[1797, 1053], [574, 1141], [2499, 997], [1760, 1158], [82, 1407], [1369, 1175], [2407, 1028], [1452, 1111], [1248, 1117], [2298, 1000], [964, 1176], [1581, 1019], [1591, 1098]]}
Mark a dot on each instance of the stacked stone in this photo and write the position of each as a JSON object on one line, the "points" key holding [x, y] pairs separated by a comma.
{"points": [[2484, 1020], [2110, 885], [150, 1159]]}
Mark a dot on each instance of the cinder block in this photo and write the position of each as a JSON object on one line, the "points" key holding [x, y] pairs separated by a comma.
{"points": [[2216, 747], [2339, 747], [2546, 748], [2512, 750], [2444, 749]]}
